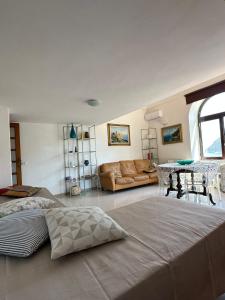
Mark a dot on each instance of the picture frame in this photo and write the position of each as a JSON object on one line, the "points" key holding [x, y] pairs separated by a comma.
{"points": [[172, 134], [118, 135]]}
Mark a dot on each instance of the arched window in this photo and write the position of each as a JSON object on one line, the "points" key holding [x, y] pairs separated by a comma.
{"points": [[211, 127]]}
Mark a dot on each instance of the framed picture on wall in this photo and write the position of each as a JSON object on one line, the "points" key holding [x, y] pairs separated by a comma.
{"points": [[172, 134], [118, 135]]}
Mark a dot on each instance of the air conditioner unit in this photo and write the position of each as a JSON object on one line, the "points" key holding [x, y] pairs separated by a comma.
{"points": [[154, 115]]}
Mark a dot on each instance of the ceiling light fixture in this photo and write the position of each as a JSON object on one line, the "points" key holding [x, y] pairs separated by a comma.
{"points": [[92, 102]]}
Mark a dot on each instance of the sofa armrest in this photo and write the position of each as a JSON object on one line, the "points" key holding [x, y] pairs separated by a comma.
{"points": [[108, 174], [107, 180]]}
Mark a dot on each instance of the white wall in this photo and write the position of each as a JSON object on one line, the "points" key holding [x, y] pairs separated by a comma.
{"points": [[42, 156], [42, 150], [5, 153], [175, 111], [107, 153]]}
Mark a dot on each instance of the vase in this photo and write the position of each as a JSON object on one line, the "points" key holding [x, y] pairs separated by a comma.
{"points": [[86, 135], [72, 133], [86, 162]]}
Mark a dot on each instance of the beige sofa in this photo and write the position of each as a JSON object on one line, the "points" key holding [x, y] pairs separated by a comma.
{"points": [[126, 173]]}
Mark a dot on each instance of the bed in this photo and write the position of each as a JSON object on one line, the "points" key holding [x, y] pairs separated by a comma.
{"points": [[176, 250]]}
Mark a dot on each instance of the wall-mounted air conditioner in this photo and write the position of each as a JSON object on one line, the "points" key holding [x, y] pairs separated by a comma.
{"points": [[154, 115]]}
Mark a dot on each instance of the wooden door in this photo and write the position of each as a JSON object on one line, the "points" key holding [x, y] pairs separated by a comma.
{"points": [[15, 153]]}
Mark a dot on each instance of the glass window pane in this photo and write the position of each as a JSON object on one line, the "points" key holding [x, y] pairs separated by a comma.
{"points": [[211, 138], [13, 144], [13, 155], [13, 167], [214, 105], [14, 179], [12, 132]]}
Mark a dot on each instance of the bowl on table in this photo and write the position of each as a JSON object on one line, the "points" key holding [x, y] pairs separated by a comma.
{"points": [[185, 161]]}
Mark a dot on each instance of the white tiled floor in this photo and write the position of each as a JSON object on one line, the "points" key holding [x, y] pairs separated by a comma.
{"points": [[108, 200]]}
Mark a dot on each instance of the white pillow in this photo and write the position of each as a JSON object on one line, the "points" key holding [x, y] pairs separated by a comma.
{"points": [[23, 204], [72, 229]]}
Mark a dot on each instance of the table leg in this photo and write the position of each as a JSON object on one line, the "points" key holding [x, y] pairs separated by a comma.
{"points": [[205, 190], [170, 188], [193, 188], [179, 186]]}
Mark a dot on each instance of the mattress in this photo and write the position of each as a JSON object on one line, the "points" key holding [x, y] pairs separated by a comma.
{"points": [[176, 250]]}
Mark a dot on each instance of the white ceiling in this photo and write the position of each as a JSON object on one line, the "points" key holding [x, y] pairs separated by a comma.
{"points": [[54, 54]]}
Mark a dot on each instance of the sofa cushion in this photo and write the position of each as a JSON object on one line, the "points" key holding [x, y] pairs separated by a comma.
{"points": [[112, 167], [141, 177], [142, 164], [149, 171], [124, 180], [127, 167], [153, 176]]}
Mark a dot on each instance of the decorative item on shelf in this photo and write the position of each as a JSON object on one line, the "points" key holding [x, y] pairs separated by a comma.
{"points": [[73, 133], [75, 190], [86, 162], [71, 151], [149, 156], [75, 149], [80, 135], [72, 164], [86, 135], [88, 176], [68, 178]]}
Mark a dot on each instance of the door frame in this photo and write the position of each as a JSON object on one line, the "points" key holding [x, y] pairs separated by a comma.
{"points": [[18, 172]]}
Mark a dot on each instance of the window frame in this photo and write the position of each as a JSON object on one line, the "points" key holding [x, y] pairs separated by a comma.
{"points": [[217, 116]]}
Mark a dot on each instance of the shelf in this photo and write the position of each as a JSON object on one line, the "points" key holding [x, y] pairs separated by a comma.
{"points": [[66, 153], [88, 176], [80, 166], [72, 180], [69, 139], [70, 153], [74, 160], [73, 167], [149, 143], [87, 152], [86, 139], [88, 166]]}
